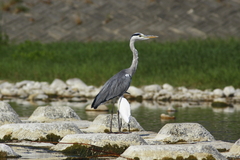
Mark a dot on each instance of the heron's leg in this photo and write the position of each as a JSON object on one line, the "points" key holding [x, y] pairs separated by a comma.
{"points": [[129, 124], [111, 118], [119, 122]]}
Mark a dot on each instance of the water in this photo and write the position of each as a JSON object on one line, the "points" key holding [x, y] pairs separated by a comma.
{"points": [[222, 123]]}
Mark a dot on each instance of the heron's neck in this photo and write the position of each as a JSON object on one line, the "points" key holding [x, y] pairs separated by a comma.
{"points": [[134, 64]]}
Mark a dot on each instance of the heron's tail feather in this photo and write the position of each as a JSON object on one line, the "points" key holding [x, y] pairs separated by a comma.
{"points": [[96, 102]]}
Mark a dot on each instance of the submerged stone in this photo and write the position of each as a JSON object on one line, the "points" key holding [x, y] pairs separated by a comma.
{"points": [[7, 152], [7, 114], [183, 132], [101, 107], [186, 151], [102, 124], [52, 113], [234, 151], [102, 142], [37, 131]]}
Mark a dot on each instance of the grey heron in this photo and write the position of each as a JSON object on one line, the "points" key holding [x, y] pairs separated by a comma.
{"points": [[118, 84]]}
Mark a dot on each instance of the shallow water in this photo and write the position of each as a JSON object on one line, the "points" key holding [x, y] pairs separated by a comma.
{"points": [[222, 123]]}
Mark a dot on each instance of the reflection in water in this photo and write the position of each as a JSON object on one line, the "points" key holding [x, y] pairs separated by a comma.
{"points": [[222, 123]]}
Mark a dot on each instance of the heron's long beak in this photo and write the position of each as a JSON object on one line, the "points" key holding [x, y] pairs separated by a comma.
{"points": [[150, 36]]}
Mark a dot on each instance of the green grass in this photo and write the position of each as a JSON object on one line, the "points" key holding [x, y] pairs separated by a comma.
{"points": [[210, 63]]}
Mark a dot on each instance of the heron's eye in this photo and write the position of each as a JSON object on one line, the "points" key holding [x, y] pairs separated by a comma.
{"points": [[140, 35]]}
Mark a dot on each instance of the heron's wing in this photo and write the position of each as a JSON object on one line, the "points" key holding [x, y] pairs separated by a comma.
{"points": [[116, 86]]}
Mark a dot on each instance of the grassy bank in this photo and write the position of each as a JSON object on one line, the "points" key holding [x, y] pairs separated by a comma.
{"points": [[209, 63]]}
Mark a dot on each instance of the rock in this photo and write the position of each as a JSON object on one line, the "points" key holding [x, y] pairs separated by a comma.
{"points": [[152, 88], [7, 152], [229, 91], [107, 141], [163, 95], [148, 96], [237, 93], [41, 97], [9, 117], [219, 102], [20, 145], [49, 91], [76, 83], [58, 85], [23, 83], [165, 116], [221, 146], [183, 132], [37, 131], [102, 107], [217, 93], [6, 85], [135, 92], [168, 87], [182, 89], [68, 92], [102, 123], [11, 92], [5, 107], [187, 151], [235, 149], [51, 113], [7, 114]]}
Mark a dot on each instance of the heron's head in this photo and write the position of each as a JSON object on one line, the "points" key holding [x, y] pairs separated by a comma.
{"points": [[140, 36]]}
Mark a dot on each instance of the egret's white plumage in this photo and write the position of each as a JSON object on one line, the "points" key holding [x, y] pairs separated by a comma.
{"points": [[124, 109]]}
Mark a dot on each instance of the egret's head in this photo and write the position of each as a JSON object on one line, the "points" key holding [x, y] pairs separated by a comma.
{"points": [[140, 36]]}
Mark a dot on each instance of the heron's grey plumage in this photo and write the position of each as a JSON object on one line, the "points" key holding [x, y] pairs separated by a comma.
{"points": [[117, 85]]}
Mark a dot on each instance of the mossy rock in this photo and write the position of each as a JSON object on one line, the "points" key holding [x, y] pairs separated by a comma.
{"points": [[219, 104], [191, 157], [52, 138], [7, 138], [86, 150]]}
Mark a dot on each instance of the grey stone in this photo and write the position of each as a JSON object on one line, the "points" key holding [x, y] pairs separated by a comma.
{"points": [[135, 92], [7, 114], [228, 91], [221, 146], [149, 152], [100, 140], [7, 152], [5, 107], [235, 150], [102, 124], [152, 88], [101, 107], [183, 132], [76, 83], [58, 84], [36, 131], [9, 117], [51, 113]]}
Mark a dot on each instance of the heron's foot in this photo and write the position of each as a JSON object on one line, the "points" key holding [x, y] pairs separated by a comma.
{"points": [[129, 128]]}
